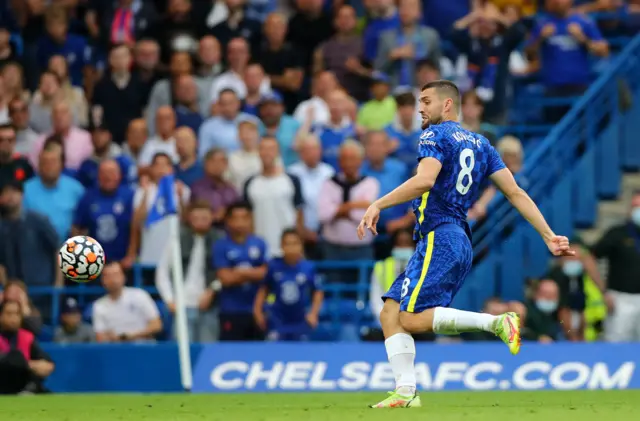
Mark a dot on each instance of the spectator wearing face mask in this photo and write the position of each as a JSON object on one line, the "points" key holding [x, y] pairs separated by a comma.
{"points": [[572, 275], [542, 323], [620, 247]]}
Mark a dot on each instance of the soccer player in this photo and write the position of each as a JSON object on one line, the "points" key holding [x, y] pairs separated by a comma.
{"points": [[453, 164], [298, 297]]}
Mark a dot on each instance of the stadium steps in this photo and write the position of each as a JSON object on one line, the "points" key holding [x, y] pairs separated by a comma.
{"points": [[612, 212]]}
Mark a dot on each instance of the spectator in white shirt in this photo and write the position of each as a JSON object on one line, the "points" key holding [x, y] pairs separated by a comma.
{"points": [[196, 241], [275, 196], [163, 141], [245, 162], [323, 84], [312, 173], [238, 56], [125, 314]]}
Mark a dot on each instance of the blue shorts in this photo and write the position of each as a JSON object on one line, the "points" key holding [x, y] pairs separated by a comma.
{"points": [[435, 272]]}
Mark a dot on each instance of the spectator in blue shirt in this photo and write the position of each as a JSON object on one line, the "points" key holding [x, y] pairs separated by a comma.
{"points": [[240, 260], [105, 213], [279, 125], [564, 42], [58, 41], [52, 193], [383, 16], [186, 107], [405, 130], [297, 294], [333, 133], [189, 169], [221, 131], [390, 173], [104, 148]]}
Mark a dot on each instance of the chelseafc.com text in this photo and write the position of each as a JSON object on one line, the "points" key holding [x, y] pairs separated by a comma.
{"points": [[360, 375]]}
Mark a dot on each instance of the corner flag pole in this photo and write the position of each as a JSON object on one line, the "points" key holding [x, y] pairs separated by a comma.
{"points": [[181, 311]]}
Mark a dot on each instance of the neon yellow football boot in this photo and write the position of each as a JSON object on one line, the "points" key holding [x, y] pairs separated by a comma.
{"points": [[507, 328], [396, 400]]}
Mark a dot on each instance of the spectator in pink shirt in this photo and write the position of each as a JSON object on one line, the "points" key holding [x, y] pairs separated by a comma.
{"points": [[77, 142], [343, 201]]}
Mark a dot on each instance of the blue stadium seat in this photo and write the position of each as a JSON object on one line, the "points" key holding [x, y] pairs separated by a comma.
{"points": [[167, 321]]}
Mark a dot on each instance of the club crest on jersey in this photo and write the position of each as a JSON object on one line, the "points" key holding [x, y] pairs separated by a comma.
{"points": [[254, 252]]}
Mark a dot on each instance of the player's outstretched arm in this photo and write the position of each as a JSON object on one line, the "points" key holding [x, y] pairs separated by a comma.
{"points": [[503, 179], [416, 186]]}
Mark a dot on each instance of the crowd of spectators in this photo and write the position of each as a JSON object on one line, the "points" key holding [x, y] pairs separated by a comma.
{"points": [[282, 122]]}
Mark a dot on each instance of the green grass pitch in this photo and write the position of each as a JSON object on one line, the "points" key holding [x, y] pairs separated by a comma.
{"points": [[439, 406]]}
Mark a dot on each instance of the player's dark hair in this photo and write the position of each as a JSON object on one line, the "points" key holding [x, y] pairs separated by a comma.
{"points": [[290, 231], [405, 99], [447, 89], [159, 155], [243, 205]]}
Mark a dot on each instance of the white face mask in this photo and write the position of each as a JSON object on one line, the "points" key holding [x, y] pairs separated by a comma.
{"points": [[572, 268], [635, 216], [402, 253], [547, 306]]}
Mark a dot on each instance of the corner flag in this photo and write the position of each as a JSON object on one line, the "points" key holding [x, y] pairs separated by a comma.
{"points": [[164, 203]]}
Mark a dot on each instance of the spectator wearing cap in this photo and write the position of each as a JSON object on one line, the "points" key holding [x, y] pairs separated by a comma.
{"points": [[27, 237], [31, 318], [213, 188], [164, 140], [118, 95], [221, 131], [336, 131], [405, 130], [53, 193], [238, 56], [72, 330], [125, 314], [189, 169], [390, 173], [162, 93], [343, 200], [279, 125], [281, 60], [316, 108], [26, 137], [245, 162], [75, 141], [342, 55], [72, 95], [23, 363], [253, 78], [58, 41], [186, 103], [399, 48], [41, 105], [380, 110], [13, 167], [309, 27], [238, 24], [312, 173], [275, 196], [197, 240], [150, 239], [104, 148], [105, 212], [137, 135]]}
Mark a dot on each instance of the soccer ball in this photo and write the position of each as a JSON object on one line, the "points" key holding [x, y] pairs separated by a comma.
{"points": [[81, 258]]}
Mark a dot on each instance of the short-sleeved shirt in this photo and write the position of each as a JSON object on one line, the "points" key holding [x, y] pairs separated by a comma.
{"points": [[467, 159], [228, 254], [292, 287], [107, 218], [275, 202], [130, 313]]}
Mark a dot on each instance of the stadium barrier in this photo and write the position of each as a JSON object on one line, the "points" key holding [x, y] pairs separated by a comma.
{"points": [[280, 367]]}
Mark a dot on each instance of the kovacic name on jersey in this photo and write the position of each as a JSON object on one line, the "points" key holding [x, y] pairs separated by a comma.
{"points": [[355, 367]]}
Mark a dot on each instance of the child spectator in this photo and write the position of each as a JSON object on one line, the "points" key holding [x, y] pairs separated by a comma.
{"points": [[380, 111]]}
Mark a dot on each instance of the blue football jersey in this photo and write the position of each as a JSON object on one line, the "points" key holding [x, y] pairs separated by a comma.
{"points": [[467, 159], [292, 287]]}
